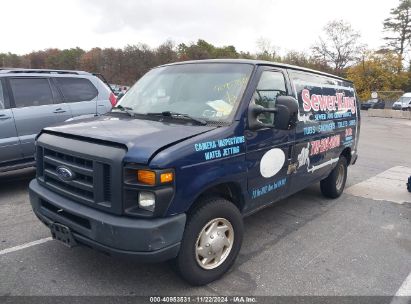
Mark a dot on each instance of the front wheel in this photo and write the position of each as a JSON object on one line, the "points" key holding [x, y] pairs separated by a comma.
{"points": [[211, 242], [333, 185]]}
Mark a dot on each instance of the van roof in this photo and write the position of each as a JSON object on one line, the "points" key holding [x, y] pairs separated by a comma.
{"points": [[259, 62], [406, 94]]}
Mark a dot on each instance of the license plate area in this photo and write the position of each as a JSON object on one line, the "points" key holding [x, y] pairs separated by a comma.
{"points": [[63, 234]]}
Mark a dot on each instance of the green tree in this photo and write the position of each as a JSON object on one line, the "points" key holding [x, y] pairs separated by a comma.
{"points": [[205, 50], [166, 53], [53, 59], [11, 60], [398, 29], [195, 51], [377, 72], [37, 60], [70, 58]]}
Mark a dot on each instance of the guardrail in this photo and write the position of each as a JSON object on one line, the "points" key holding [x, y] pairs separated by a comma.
{"points": [[388, 113]]}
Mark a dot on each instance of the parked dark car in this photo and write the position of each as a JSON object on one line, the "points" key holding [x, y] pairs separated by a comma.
{"points": [[373, 104]]}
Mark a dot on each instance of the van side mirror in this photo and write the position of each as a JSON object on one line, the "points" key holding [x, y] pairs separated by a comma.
{"points": [[285, 114]]}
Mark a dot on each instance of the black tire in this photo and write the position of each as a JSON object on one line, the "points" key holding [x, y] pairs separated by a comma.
{"points": [[331, 186], [186, 261]]}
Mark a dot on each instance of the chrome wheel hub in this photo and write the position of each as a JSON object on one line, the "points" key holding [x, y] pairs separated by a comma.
{"points": [[214, 243], [340, 177]]}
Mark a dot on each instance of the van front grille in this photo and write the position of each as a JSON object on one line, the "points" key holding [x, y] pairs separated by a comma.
{"points": [[90, 183]]}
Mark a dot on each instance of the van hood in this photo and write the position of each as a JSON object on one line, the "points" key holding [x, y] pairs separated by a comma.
{"points": [[143, 138]]}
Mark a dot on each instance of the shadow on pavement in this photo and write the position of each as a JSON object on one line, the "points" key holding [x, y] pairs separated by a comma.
{"points": [[14, 181]]}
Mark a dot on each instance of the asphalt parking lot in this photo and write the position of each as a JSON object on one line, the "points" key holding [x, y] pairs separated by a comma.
{"points": [[304, 245]]}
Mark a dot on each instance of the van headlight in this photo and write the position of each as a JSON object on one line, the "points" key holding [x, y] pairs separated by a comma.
{"points": [[146, 200], [147, 192]]}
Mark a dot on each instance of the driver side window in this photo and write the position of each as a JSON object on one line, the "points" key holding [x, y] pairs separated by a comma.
{"points": [[270, 86]]}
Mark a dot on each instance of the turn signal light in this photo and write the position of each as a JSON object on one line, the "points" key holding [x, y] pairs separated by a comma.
{"points": [[166, 177], [146, 177]]}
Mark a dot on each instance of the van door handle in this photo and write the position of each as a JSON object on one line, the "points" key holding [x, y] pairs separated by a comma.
{"points": [[4, 117], [59, 110]]}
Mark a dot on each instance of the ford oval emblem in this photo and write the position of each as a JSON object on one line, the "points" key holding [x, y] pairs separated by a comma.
{"points": [[64, 173]]}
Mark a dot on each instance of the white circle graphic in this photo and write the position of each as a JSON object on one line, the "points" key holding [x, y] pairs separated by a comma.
{"points": [[272, 162]]}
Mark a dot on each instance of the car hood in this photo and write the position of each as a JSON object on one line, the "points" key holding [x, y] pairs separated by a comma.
{"points": [[143, 138]]}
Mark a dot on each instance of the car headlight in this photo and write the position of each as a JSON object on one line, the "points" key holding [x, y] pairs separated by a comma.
{"points": [[146, 200]]}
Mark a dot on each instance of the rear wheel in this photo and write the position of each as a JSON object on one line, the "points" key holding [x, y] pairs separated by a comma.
{"points": [[333, 185], [211, 242]]}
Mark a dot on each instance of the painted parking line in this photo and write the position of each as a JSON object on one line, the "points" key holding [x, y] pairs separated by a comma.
{"points": [[23, 246], [405, 289], [403, 295]]}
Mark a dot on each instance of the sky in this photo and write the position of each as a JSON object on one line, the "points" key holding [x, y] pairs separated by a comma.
{"points": [[29, 25]]}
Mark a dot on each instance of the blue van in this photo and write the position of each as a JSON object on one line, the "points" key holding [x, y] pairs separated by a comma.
{"points": [[191, 149]]}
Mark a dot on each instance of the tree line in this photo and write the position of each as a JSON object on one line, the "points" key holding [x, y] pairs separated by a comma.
{"points": [[125, 66], [338, 50]]}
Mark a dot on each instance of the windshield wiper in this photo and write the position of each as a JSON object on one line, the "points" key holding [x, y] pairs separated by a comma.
{"points": [[178, 115], [127, 110]]}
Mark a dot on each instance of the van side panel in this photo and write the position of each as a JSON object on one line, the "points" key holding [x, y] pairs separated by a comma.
{"points": [[327, 125]]}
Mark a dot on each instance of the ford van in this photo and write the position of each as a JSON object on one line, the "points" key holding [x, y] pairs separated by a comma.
{"points": [[189, 151]]}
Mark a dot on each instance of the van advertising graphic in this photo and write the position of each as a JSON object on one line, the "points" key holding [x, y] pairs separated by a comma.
{"points": [[324, 144], [327, 119], [324, 103], [337, 102], [268, 188], [317, 147], [220, 148]]}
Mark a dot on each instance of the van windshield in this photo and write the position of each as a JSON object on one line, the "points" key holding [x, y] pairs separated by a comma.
{"points": [[404, 100], [207, 91]]}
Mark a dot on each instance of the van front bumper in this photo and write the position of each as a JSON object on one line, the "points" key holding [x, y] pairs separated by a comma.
{"points": [[147, 240]]}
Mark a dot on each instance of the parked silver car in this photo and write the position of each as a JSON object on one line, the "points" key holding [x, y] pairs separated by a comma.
{"points": [[32, 99]]}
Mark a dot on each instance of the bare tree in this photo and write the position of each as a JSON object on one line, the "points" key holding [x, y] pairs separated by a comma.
{"points": [[339, 47]]}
